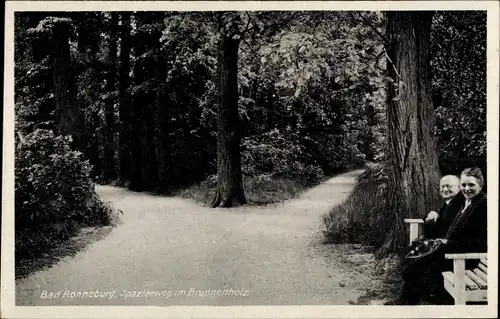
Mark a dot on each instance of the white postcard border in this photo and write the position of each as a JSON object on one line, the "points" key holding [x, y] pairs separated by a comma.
{"points": [[8, 308]]}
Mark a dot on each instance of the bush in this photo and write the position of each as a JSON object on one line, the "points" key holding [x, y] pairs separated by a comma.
{"points": [[54, 194], [276, 153], [362, 217]]}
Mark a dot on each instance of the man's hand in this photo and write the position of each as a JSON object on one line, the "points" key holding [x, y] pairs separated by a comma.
{"points": [[433, 215], [443, 240]]}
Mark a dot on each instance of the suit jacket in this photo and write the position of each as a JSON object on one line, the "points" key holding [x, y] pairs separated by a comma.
{"points": [[468, 231], [447, 213]]}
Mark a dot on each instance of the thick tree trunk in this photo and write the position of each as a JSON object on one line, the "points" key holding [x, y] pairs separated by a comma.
{"points": [[69, 117], [414, 174], [109, 144], [124, 85], [229, 179]]}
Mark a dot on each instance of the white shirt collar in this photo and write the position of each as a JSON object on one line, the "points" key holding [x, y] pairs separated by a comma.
{"points": [[467, 203]]}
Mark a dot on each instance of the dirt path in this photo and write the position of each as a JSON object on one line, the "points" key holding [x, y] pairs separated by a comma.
{"points": [[255, 255]]}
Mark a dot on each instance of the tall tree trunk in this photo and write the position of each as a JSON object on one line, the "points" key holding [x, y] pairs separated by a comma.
{"points": [[109, 144], [229, 179], [160, 115], [414, 174], [148, 170], [69, 117], [89, 38], [94, 145], [137, 122], [124, 85]]}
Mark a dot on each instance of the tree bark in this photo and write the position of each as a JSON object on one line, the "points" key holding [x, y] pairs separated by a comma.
{"points": [[109, 145], [160, 117], [149, 97], [69, 117], [229, 177], [414, 173], [144, 166], [136, 124], [124, 108]]}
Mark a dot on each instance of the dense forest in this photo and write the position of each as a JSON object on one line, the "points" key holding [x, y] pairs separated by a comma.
{"points": [[160, 101]]}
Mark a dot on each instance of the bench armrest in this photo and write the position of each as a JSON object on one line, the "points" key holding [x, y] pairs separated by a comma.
{"points": [[467, 256], [413, 221], [416, 228]]}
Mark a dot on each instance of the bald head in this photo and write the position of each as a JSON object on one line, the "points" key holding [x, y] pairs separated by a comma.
{"points": [[449, 186]]}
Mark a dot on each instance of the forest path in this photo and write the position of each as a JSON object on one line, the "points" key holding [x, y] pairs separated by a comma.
{"points": [[270, 255]]}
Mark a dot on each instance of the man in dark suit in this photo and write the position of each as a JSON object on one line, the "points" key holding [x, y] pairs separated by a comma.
{"points": [[467, 233], [437, 223]]}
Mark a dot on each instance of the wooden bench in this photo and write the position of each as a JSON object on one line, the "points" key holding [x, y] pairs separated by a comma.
{"points": [[467, 285], [463, 285]]}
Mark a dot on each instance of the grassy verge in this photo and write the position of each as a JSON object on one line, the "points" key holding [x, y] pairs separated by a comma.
{"points": [[27, 263], [362, 220], [362, 217], [259, 190], [41, 247]]}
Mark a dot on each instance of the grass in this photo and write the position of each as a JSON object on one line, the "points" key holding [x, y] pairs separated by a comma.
{"points": [[41, 247], [30, 261], [259, 190], [360, 218]]}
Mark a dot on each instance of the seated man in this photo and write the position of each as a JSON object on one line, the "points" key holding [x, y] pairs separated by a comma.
{"points": [[437, 223]]}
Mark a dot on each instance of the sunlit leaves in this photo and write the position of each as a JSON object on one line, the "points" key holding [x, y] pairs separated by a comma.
{"points": [[459, 80]]}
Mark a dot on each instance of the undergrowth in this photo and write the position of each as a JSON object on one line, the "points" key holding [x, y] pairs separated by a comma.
{"points": [[259, 190], [362, 217], [54, 197]]}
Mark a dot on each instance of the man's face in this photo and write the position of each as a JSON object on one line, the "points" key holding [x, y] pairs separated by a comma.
{"points": [[449, 187]]}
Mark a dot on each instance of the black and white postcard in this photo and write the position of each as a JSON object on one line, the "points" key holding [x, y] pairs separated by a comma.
{"points": [[233, 159]]}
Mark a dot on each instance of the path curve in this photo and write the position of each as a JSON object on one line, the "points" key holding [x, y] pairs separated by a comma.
{"points": [[254, 255]]}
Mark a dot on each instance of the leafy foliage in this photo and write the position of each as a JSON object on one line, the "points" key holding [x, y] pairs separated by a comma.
{"points": [[54, 195], [458, 62], [54, 192], [306, 81], [311, 86], [53, 183], [275, 153], [459, 83]]}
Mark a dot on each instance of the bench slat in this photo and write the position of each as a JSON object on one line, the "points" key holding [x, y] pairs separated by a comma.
{"points": [[484, 261], [480, 282], [448, 276], [469, 283], [483, 268], [481, 274], [466, 256]]}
